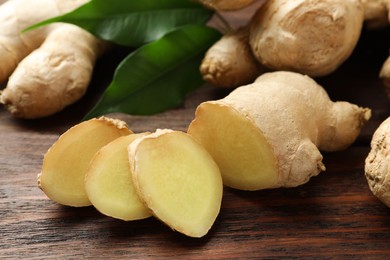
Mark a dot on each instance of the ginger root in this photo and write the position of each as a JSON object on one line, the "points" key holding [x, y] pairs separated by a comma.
{"points": [[268, 134], [309, 37], [66, 162], [377, 170], [230, 62], [51, 66]]}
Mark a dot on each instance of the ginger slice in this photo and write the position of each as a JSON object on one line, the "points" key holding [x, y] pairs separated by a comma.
{"points": [[178, 180], [109, 185], [242, 153], [66, 162]]}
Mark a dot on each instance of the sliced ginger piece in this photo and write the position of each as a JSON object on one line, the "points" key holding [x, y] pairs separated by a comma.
{"points": [[178, 180], [109, 184], [237, 145], [66, 162]]}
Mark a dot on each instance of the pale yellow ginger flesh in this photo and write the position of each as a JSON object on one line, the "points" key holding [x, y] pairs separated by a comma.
{"points": [[51, 66], [268, 134], [178, 180], [109, 184], [239, 162], [377, 164], [66, 162], [226, 5]]}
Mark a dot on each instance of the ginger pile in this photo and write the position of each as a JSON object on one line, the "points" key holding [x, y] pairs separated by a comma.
{"points": [[51, 67], [311, 37], [261, 136], [266, 134], [129, 176]]}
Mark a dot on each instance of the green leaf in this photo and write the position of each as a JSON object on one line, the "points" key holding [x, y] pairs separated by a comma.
{"points": [[158, 75], [130, 22]]}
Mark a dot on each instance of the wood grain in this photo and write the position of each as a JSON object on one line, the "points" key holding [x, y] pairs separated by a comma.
{"points": [[333, 216]]}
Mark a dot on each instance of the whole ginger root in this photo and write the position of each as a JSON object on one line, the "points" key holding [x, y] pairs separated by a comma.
{"points": [[51, 66], [309, 37], [377, 170], [269, 134]]}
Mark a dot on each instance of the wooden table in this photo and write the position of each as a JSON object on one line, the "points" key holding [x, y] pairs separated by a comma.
{"points": [[334, 215]]}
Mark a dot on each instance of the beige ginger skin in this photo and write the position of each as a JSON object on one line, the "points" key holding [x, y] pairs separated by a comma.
{"points": [[230, 61], [377, 163], [269, 134], [305, 36], [51, 66], [310, 37]]}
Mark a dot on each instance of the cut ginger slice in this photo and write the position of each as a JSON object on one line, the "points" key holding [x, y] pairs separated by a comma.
{"points": [[244, 157], [178, 181], [66, 162], [109, 184]]}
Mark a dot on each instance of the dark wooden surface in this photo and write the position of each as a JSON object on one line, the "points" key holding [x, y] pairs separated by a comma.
{"points": [[333, 216]]}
